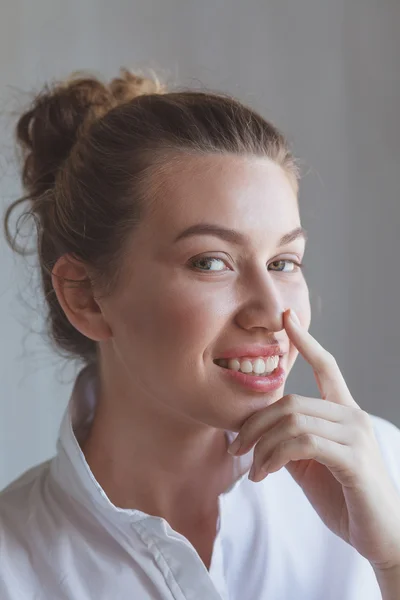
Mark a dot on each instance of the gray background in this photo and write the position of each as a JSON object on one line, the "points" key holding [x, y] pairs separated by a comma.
{"points": [[325, 72]]}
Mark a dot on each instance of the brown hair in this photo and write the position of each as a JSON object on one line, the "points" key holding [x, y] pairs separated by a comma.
{"points": [[87, 150]]}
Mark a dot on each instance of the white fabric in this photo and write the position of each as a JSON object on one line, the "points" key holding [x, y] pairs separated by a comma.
{"points": [[62, 539]]}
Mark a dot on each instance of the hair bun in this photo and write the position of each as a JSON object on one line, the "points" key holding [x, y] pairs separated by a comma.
{"points": [[47, 132], [129, 86]]}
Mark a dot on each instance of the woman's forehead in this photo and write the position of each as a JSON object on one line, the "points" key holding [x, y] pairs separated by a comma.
{"points": [[237, 191]]}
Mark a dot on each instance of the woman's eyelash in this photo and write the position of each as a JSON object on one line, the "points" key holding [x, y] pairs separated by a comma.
{"points": [[297, 264], [205, 259]]}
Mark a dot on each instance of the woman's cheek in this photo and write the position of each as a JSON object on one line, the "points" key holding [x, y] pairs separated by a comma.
{"points": [[304, 313], [298, 299], [187, 316]]}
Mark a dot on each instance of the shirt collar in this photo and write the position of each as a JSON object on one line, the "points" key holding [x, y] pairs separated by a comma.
{"points": [[72, 472]]}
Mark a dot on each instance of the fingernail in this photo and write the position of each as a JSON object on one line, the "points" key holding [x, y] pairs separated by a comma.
{"points": [[294, 317], [252, 472], [235, 446]]}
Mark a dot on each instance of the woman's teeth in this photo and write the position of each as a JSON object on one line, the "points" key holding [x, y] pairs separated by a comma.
{"points": [[259, 366]]}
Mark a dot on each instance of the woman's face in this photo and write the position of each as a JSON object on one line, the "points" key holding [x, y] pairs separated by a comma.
{"points": [[187, 296]]}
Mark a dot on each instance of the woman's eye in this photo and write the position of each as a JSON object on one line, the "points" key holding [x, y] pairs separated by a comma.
{"points": [[215, 264], [279, 265], [206, 263]]}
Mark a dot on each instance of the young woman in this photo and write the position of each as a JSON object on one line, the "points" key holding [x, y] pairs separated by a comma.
{"points": [[170, 249]]}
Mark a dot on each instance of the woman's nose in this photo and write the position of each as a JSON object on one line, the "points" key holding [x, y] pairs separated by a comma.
{"points": [[263, 307]]}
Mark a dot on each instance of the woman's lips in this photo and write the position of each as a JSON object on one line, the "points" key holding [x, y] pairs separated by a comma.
{"points": [[265, 384]]}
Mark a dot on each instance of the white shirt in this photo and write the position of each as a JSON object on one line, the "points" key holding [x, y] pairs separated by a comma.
{"points": [[61, 538]]}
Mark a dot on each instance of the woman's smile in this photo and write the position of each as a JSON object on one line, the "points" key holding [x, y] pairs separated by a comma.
{"points": [[264, 383]]}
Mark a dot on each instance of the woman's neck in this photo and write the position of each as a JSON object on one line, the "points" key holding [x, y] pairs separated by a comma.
{"points": [[152, 460]]}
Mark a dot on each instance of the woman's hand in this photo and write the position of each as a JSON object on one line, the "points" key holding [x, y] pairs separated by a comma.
{"points": [[329, 447]]}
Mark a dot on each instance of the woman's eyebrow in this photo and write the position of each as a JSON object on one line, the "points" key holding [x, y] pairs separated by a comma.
{"points": [[233, 236], [299, 232]]}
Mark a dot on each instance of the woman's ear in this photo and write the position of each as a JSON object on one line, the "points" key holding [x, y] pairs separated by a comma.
{"points": [[74, 290]]}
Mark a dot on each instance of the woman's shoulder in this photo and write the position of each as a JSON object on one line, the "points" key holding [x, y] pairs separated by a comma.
{"points": [[19, 486], [21, 498], [23, 525]]}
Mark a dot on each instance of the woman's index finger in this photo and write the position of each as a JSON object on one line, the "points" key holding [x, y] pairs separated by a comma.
{"points": [[328, 375]]}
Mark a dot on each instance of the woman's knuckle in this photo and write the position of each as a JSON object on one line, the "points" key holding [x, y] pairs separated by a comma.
{"points": [[362, 419], [292, 402], [310, 443], [294, 423], [361, 429]]}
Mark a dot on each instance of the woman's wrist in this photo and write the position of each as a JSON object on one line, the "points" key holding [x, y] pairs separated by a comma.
{"points": [[389, 582]]}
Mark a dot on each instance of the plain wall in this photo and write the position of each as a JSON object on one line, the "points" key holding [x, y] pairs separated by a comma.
{"points": [[325, 72]]}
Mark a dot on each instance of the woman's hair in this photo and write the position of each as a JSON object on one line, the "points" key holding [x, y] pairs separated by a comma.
{"points": [[90, 154]]}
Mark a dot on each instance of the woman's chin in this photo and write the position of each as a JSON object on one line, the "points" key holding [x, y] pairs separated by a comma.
{"points": [[242, 409]]}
